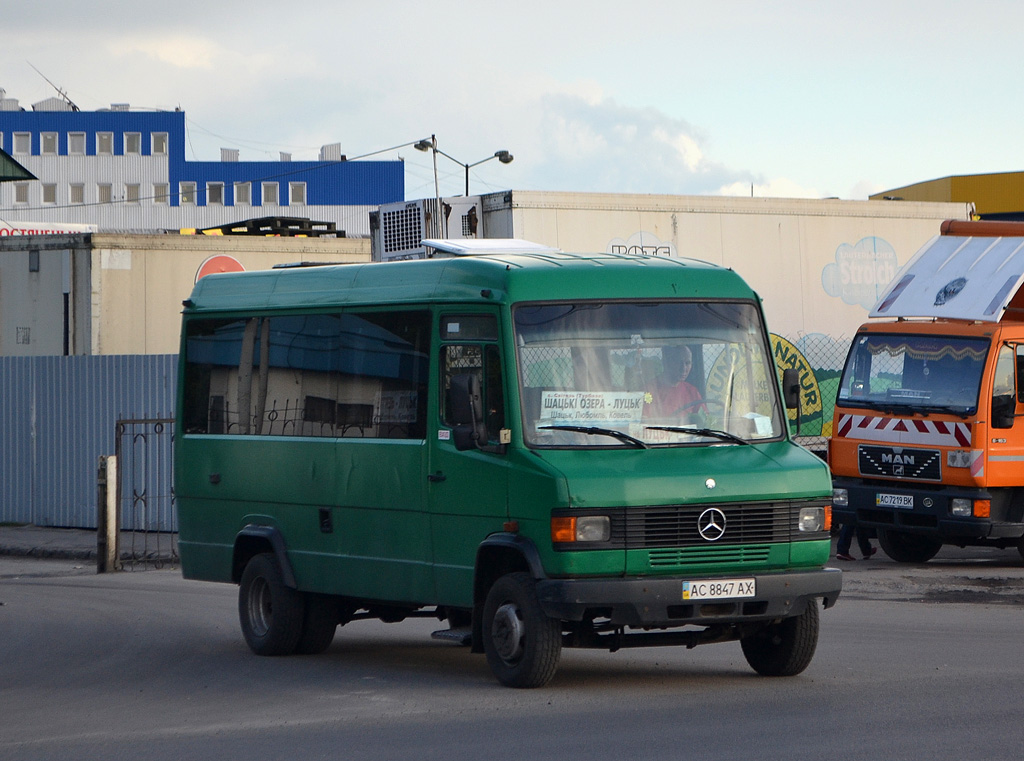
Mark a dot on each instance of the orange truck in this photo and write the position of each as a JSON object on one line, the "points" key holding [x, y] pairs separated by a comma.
{"points": [[927, 444]]}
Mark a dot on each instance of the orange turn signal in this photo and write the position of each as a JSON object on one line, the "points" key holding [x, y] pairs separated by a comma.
{"points": [[828, 517], [563, 529], [982, 508]]}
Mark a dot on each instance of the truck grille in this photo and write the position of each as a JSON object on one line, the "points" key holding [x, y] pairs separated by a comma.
{"points": [[899, 462]]}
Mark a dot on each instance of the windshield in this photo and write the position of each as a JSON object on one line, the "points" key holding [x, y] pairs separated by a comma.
{"points": [[639, 374], [925, 373]]}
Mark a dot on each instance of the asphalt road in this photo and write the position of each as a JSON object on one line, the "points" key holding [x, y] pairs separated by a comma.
{"points": [[147, 665]]}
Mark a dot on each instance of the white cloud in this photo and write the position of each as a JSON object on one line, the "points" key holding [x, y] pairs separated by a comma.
{"points": [[604, 146]]}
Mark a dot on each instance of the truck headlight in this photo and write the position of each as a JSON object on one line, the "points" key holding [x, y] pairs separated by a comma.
{"points": [[583, 528], [814, 519], [961, 508], [840, 498]]}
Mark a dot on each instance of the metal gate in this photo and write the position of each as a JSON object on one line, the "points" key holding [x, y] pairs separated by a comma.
{"points": [[145, 493]]}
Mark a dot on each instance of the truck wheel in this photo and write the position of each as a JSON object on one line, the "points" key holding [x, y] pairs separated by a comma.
{"points": [[1020, 547], [270, 612], [522, 644], [908, 548], [319, 624], [784, 648]]}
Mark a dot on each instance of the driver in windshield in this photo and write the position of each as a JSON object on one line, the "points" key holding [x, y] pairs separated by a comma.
{"points": [[676, 398]]}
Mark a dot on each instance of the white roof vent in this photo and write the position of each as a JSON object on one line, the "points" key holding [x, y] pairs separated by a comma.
{"points": [[229, 154], [331, 152]]}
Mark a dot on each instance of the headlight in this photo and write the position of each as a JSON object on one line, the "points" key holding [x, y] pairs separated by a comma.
{"points": [[812, 519], [840, 498], [584, 528], [961, 508]]}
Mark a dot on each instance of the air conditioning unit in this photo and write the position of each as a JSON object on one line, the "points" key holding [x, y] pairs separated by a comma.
{"points": [[397, 230]]}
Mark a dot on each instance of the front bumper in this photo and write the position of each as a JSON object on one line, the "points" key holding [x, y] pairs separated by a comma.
{"points": [[654, 602], [930, 514]]}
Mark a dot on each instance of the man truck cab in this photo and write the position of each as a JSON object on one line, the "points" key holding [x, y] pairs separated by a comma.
{"points": [[927, 443], [474, 439]]}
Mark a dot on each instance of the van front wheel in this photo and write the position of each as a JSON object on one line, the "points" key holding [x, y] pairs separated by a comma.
{"points": [[784, 648], [522, 644], [271, 613]]}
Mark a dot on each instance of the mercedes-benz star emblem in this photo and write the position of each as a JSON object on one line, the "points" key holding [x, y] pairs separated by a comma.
{"points": [[711, 524]]}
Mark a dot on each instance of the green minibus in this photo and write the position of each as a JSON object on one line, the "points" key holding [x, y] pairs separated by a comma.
{"points": [[543, 450]]}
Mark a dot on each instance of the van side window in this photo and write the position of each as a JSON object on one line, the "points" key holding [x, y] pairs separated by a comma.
{"points": [[323, 375], [483, 360]]}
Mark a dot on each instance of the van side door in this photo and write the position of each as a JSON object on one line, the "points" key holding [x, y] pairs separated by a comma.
{"points": [[468, 490]]}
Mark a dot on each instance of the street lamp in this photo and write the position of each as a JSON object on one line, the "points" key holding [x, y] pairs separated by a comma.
{"points": [[431, 145]]}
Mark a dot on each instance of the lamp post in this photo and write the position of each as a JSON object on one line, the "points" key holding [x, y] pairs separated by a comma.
{"points": [[431, 145]]}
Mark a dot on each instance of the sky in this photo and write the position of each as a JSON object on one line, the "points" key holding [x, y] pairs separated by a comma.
{"points": [[788, 98]]}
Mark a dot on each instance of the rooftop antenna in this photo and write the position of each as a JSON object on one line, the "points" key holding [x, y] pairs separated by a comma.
{"points": [[60, 92]]}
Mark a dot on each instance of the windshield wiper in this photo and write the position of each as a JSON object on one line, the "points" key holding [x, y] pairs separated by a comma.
{"points": [[712, 432], [594, 431]]}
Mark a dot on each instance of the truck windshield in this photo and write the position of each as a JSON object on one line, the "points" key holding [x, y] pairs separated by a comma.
{"points": [[645, 374], [916, 372]]}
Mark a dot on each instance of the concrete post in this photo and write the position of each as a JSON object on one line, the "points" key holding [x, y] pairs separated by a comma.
{"points": [[108, 550]]}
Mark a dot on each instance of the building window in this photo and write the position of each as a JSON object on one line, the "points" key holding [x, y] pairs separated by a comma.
{"points": [[76, 143], [22, 143], [48, 143], [131, 193], [49, 193], [243, 193], [104, 192], [161, 190], [21, 192], [133, 143], [269, 193], [159, 143], [76, 193], [105, 143], [297, 193], [187, 193], [215, 194]]}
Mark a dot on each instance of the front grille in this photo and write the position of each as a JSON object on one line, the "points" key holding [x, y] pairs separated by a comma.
{"points": [[678, 526], [899, 462]]}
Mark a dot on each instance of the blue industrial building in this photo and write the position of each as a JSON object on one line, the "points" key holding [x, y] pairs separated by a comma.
{"points": [[123, 169]]}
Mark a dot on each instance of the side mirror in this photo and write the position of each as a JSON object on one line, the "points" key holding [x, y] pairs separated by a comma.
{"points": [[791, 392], [470, 428]]}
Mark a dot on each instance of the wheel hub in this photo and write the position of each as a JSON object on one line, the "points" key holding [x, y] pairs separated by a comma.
{"points": [[507, 632]]}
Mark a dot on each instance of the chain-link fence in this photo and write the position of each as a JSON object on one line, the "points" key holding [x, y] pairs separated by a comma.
{"points": [[819, 359]]}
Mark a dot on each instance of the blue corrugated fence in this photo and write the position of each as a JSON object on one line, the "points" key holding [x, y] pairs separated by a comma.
{"points": [[58, 415]]}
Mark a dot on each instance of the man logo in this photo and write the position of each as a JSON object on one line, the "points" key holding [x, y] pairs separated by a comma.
{"points": [[711, 524]]}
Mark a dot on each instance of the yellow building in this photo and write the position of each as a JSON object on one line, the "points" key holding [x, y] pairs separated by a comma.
{"points": [[995, 196]]}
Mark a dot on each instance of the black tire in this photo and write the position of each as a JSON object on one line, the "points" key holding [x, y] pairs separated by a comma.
{"points": [[271, 613], [522, 644], [1020, 547], [319, 624], [908, 548], [784, 648]]}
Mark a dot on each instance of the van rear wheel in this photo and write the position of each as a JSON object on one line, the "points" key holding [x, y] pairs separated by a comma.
{"points": [[270, 612], [784, 648], [908, 548], [522, 644]]}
